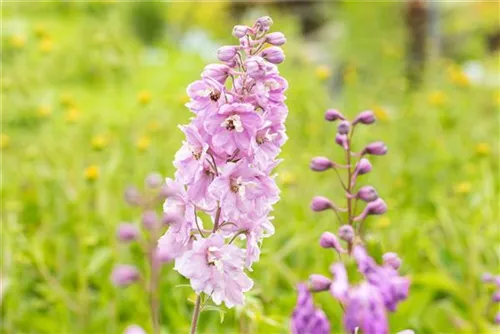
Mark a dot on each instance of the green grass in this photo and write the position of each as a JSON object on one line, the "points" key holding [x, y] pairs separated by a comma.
{"points": [[58, 229]]}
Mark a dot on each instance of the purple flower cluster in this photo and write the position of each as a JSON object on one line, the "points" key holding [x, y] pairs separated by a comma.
{"points": [[224, 165], [306, 318], [366, 304], [495, 297]]}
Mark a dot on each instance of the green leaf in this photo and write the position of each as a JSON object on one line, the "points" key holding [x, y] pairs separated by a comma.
{"points": [[100, 257]]}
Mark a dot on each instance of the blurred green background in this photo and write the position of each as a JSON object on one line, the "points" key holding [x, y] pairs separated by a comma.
{"points": [[91, 97]]}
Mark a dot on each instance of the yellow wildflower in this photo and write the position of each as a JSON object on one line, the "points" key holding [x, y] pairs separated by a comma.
{"points": [[380, 113], [437, 98], [72, 115], [457, 76], [99, 142], [153, 126], [143, 143], [287, 178], [323, 72], [463, 188], [144, 97], [4, 141], [383, 222], [18, 41], [92, 173], [44, 111], [46, 45], [483, 149]]}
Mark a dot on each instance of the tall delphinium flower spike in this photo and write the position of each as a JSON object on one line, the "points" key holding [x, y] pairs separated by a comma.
{"points": [[365, 305], [494, 281], [224, 167], [145, 234]]}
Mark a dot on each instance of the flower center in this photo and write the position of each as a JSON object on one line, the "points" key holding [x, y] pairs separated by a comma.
{"points": [[214, 258], [233, 122], [214, 95]]}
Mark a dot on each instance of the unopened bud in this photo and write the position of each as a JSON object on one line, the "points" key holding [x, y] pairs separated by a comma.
{"points": [[332, 115], [273, 55], [319, 164], [240, 31], [392, 260], [377, 207], [124, 275], [226, 53], [346, 233], [264, 23], [127, 232], [367, 194], [363, 166], [132, 196], [319, 283], [330, 240], [375, 148], [320, 203], [276, 38], [162, 255], [256, 68], [149, 219], [365, 117], [341, 140], [218, 72], [154, 180], [343, 128]]}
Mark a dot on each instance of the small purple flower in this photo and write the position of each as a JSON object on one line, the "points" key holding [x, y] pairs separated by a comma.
{"points": [[375, 148], [263, 23], [149, 219], [365, 117], [226, 53], [273, 54], [306, 319], [329, 240], [133, 196], [332, 115], [218, 72], [320, 203], [496, 297], [240, 31], [124, 275], [343, 127], [319, 283], [367, 194], [256, 67], [276, 38], [497, 319], [346, 232], [341, 140], [392, 260], [127, 232], [363, 167], [377, 207], [320, 164]]}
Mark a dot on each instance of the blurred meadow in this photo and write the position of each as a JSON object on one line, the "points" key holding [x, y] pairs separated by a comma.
{"points": [[92, 93]]}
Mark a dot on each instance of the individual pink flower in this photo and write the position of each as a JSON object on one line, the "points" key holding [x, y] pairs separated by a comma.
{"points": [[198, 190], [233, 127], [216, 269], [190, 157], [206, 95]]}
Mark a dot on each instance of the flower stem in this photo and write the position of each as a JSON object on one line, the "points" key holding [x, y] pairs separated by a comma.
{"points": [[349, 188], [196, 315]]}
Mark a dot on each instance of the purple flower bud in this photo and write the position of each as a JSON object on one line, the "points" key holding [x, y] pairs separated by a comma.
{"points": [[149, 219], [273, 55], [124, 275], [329, 240], [363, 166], [497, 319], [392, 260], [332, 115], [365, 117], [132, 196], [375, 148], [154, 180], [346, 233], [319, 164], [496, 297], [127, 232], [487, 278], [377, 207], [264, 23], [226, 53], [320, 203], [276, 38], [306, 318], [341, 140], [367, 194], [218, 72], [343, 127], [256, 68], [134, 329], [171, 218], [240, 31], [318, 283], [163, 255]]}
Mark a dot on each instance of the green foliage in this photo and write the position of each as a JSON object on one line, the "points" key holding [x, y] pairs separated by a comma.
{"points": [[87, 112]]}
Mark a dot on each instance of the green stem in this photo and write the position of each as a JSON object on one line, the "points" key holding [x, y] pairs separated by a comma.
{"points": [[196, 315]]}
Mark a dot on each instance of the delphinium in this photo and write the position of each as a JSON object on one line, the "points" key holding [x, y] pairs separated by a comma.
{"points": [[365, 305], [489, 279], [224, 166], [145, 235]]}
